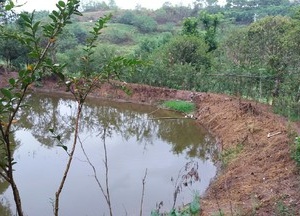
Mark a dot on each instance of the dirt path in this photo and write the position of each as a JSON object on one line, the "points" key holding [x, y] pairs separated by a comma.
{"points": [[260, 176]]}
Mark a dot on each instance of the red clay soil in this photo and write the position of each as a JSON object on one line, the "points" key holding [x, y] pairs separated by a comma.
{"points": [[259, 178]]}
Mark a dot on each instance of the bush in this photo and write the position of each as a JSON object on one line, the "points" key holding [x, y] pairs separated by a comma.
{"points": [[167, 27], [118, 36], [188, 50], [127, 18], [145, 24], [150, 44]]}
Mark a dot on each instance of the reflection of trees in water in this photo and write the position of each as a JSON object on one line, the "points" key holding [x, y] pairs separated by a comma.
{"points": [[3, 161], [186, 135], [127, 123], [45, 113], [127, 120], [4, 206], [5, 210]]}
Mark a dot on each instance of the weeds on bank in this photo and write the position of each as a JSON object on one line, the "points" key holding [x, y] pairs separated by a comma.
{"points": [[191, 209], [229, 154], [220, 213], [181, 106], [296, 150], [282, 209], [187, 175]]}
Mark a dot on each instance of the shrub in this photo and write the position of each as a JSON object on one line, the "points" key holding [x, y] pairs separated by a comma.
{"points": [[145, 24], [127, 18], [188, 50], [118, 36], [149, 44]]}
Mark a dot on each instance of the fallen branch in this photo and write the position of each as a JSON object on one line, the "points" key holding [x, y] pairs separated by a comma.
{"points": [[168, 118], [273, 134]]}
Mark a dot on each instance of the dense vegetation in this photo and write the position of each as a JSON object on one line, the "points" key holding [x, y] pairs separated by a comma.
{"points": [[247, 48]]}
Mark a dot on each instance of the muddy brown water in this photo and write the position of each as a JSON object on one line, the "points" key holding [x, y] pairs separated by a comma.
{"points": [[137, 137]]}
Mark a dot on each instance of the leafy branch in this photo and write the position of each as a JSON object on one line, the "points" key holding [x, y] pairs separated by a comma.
{"points": [[12, 97]]}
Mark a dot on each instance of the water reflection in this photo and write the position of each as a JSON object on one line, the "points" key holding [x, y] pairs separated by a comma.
{"points": [[132, 122], [137, 138], [4, 205]]}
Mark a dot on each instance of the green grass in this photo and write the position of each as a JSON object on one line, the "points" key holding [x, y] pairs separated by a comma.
{"points": [[283, 209], [296, 151], [181, 106], [230, 154]]}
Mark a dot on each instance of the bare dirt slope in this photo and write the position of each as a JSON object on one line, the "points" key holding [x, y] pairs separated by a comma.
{"points": [[260, 177]]}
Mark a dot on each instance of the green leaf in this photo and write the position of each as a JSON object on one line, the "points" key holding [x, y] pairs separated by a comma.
{"points": [[58, 137], [27, 25], [7, 93], [59, 7], [25, 17], [173, 213], [53, 17], [28, 34], [12, 81], [35, 26], [64, 147], [9, 6], [56, 14], [62, 4]]}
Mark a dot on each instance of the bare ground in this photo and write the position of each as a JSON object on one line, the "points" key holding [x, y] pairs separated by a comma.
{"points": [[261, 177]]}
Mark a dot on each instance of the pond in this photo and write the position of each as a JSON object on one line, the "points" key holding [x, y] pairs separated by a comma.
{"points": [[142, 142]]}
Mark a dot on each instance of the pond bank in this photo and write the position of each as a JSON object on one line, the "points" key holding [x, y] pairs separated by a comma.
{"points": [[259, 174]]}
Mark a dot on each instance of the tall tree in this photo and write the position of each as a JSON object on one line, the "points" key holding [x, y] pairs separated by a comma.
{"points": [[264, 44], [210, 24], [112, 4], [255, 3]]}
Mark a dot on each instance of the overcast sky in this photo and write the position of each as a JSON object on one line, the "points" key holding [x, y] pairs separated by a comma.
{"points": [[125, 4]]}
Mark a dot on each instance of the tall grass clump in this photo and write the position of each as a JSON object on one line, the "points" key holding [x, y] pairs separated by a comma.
{"points": [[191, 209], [296, 151], [181, 106]]}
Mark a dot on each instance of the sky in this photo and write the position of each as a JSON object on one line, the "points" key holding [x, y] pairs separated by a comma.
{"points": [[125, 4]]}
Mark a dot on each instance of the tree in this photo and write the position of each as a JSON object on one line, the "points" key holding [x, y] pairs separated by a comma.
{"points": [[264, 45], [210, 24], [6, 15], [255, 3], [79, 84], [206, 3], [13, 51], [12, 97], [266, 38], [190, 26], [93, 5], [112, 4]]}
